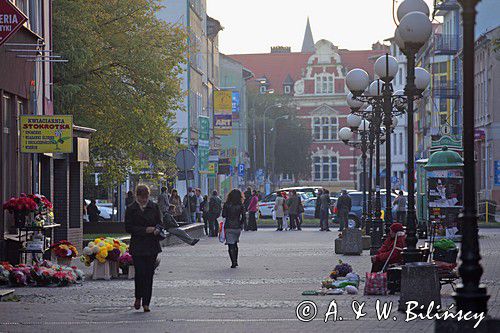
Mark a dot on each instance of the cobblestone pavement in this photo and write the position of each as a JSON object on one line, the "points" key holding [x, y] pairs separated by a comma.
{"points": [[196, 291]]}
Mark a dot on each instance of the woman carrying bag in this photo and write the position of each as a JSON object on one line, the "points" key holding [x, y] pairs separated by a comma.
{"points": [[234, 214], [143, 222]]}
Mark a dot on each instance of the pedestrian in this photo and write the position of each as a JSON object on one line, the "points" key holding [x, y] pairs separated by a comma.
{"points": [[344, 205], [279, 210], [163, 201], [84, 212], [204, 211], [317, 208], [190, 202], [234, 214], [293, 209], [248, 197], [253, 208], [390, 251], [142, 222], [214, 211], [175, 200], [301, 212], [130, 199], [286, 216], [199, 200], [93, 211], [324, 210], [400, 203]]}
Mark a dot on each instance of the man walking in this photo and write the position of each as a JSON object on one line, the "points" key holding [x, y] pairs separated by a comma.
{"points": [[343, 208], [214, 211], [400, 203], [199, 200], [189, 202], [163, 201], [293, 209], [324, 210]]}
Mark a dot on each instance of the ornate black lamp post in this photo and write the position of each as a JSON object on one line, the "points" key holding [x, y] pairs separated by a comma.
{"points": [[470, 296]]}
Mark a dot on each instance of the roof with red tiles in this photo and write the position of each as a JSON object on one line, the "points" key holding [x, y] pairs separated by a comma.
{"points": [[277, 66]]}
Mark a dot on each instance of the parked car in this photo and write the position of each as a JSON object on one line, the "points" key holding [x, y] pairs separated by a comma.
{"points": [[310, 191], [107, 210], [310, 207], [357, 202], [266, 205]]}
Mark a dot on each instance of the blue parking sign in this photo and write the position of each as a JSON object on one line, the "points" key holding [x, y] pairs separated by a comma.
{"points": [[241, 170]]}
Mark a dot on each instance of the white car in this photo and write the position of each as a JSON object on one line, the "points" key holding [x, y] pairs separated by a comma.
{"points": [[266, 205], [106, 209]]}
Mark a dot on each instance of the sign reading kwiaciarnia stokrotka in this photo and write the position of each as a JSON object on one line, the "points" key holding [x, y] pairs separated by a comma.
{"points": [[46, 134]]}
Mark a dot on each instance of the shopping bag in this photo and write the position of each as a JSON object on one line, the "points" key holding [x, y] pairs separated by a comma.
{"points": [[222, 232], [376, 284], [285, 222]]}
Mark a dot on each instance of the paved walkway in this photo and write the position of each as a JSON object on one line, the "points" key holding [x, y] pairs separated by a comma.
{"points": [[196, 291]]}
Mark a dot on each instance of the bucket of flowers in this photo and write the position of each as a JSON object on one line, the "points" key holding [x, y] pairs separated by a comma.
{"points": [[126, 262], [22, 208], [64, 251], [105, 254]]}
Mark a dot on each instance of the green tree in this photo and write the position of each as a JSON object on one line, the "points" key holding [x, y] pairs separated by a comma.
{"points": [[122, 79]]}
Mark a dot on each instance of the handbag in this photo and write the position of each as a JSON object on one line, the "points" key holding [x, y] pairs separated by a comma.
{"points": [[222, 232], [376, 283]]}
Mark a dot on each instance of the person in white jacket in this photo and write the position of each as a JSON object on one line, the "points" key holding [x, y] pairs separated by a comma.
{"points": [[279, 209]]}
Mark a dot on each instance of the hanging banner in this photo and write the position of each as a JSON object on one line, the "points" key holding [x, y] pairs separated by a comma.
{"points": [[223, 121], [236, 105], [203, 143], [46, 134]]}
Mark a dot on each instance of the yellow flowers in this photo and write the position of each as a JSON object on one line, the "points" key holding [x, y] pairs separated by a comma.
{"points": [[103, 249]]}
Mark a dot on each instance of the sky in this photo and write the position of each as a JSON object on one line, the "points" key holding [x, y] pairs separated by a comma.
{"points": [[253, 26]]}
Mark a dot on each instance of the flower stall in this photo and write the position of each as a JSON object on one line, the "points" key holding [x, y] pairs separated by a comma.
{"points": [[34, 220], [104, 254]]}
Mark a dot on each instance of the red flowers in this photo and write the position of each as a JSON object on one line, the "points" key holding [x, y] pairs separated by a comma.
{"points": [[21, 204], [64, 249]]}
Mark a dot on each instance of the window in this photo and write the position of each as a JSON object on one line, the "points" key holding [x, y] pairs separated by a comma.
{"points": [[286, 176], [325, 168], [324, 84], [325, 128], [443, 105], [263, 89], [287, 89]]}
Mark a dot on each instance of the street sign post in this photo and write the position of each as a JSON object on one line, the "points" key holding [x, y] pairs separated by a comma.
{"points": [[185, 161], [12, 19]]}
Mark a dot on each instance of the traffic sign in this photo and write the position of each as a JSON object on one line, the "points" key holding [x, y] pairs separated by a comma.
{"points": [[241, 170], [497, 173], [185, 160], [11, 19]]}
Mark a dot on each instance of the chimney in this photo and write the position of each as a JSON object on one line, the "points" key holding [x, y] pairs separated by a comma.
{"points": [[281, 49]]}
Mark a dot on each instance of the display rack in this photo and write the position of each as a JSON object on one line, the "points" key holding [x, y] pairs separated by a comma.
{"points": [[47, 232]]}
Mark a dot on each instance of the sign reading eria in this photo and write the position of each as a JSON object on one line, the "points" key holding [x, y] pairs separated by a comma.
{"points": [[46, 134]]}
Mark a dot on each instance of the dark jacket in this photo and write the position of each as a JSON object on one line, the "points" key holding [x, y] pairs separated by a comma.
{"points": [[248, 197], [93, 212], [136, 221], [344, 203], [235, 215], [215, 206], [293, 204], [317, 209]]}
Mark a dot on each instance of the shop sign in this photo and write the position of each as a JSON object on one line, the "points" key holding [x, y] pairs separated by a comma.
{"points": [[11, 19], [203, 144], [236, 105], [223, 119], [46, 134]]}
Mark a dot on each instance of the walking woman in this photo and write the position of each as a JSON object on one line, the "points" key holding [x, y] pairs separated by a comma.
{"points": [[279, 209], [253, 208], [141, 220], [235, 217], [175, 200]]}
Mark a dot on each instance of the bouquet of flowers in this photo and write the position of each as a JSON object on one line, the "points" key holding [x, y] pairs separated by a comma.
{"points": [[126, 260], [64, 249], [44, 208], [21, 207], [103, 249]]}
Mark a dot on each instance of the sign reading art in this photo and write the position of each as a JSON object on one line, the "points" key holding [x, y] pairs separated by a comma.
{"points": [[11, 19], [223, 112], [46, 134]]}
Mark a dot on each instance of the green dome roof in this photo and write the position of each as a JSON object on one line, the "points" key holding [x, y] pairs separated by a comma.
{"points": [[445, 159]]}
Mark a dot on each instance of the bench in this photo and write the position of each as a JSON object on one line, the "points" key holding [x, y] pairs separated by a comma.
{"points": [[4, 293]]}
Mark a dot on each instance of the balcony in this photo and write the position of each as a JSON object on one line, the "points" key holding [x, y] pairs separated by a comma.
{"points": [[445, 44], [443, 6], [445, 89]]}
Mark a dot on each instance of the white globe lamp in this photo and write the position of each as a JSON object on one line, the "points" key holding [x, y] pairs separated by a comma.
{"points": [[357, 80], [376, 88], [409, 6], [353, 120], [386, 73], [415, 28], [352, 102], [422, 78], [345, 134]]}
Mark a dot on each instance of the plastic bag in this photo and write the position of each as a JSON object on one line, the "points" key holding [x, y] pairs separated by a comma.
{"points": [[376, 284], [222, 232]]}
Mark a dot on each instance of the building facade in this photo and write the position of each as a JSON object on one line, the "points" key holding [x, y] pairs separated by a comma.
{"points": [[200, 78], [315, 79]]}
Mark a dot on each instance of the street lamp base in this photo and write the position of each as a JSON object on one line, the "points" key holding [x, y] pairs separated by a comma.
{"points": [[376, 239], [475, 301]]}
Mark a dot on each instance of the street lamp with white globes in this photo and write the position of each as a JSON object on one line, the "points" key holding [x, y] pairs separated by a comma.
{"points": [[413, 31]]}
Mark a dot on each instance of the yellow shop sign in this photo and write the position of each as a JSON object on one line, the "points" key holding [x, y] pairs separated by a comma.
{"points": [[46, 134]]}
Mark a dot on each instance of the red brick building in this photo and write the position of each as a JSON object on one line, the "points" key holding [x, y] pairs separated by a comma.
{"points": [[315, 78]]}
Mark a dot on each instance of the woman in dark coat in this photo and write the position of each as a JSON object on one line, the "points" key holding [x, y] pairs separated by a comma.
{"points": [[235, 216], [141, 219], [93, 211]]}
